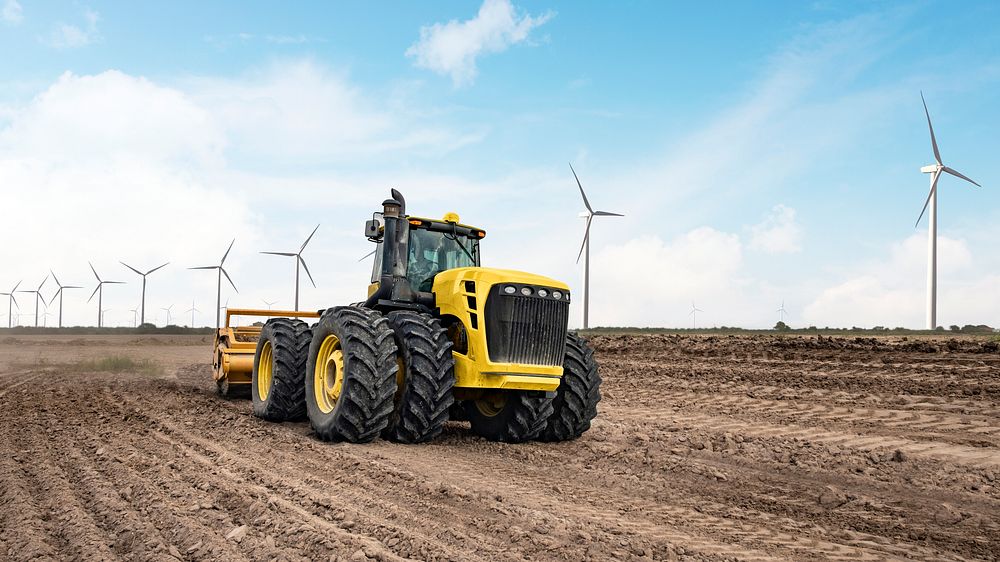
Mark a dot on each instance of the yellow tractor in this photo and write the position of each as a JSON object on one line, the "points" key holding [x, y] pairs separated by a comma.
{"points": [[439, 337]]}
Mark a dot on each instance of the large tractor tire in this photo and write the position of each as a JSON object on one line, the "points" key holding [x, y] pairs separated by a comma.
{"points": [[350, 375], [279, 369], [512, 416], [424, 380], [575, 404]]}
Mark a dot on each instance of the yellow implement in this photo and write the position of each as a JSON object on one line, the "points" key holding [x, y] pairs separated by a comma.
{"points": [[235, 347]]}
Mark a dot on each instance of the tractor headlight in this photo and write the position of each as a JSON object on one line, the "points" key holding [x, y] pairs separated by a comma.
{"points": [[556, 295], [543, 293], [526, 291], [510, 289]]}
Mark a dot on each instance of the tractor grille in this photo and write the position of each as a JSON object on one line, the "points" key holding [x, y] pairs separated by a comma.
{"points": [[528, 330]]}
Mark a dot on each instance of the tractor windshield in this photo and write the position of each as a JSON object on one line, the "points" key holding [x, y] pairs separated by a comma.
{"points": [[432, 252]]}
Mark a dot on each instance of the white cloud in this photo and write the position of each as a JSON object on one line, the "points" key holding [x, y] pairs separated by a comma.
{"points": [[298, 111], [111, 116], [111, 166], [778, 233], [452, 48], [893, 292], [12, 13], [70, 36], [651, 282]]}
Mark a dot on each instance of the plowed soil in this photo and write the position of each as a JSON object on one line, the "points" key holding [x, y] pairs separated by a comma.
{"points": [[706, 448]]}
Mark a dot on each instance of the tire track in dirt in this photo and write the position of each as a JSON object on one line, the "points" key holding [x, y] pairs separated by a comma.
{"points": [[959, 454], [955, 428], [239, 469], [688, 514]]}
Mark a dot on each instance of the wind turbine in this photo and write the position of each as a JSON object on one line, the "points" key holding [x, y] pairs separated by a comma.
{"points": [[59, 294], [299, 260], [142, 306], [781, 312], [167, 309], [11, 303], [135, 315], [585, 248], [269, 305], [45, 318], [103, 314], [694, 316], [99, 291], [218, 289], [192, 310], [38, 296], [935, 171]]}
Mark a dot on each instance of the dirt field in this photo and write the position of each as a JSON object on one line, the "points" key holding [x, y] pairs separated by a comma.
{"points": [[709, 448]]}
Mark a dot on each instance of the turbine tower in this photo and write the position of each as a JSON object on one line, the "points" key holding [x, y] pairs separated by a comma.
{"points": [[585, 248], [59, 293], [298, 260], [167, 309], [99, 291], [11, 303], [38, 296], [135, 315], [694, 316], [218, 289], [142, 304], [192, 310], [935, 171], [782, 312]]}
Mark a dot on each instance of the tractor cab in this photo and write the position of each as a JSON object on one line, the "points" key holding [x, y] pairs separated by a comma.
{"points": [[434, 246]]}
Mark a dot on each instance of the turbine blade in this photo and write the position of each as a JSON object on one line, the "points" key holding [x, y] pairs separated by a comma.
{"points": [[934, 180], [113, 282], [42, 284], [95, 271], [98, 288], [229, 279], [226, 255], [58, 284], [206, 267], [53, 299], [606, 214], [586, 236], [280, 253], [585, 202], [308, 239], [155, 268], [306, 267], [937, 155], [17, 306], [130, 267], [16, 286], [71, 287], [958, 175], [366, 256]]}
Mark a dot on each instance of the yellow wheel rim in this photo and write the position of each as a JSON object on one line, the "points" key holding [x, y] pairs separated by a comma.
{"points": [[265, 371], [328, 377], [491, 404]]}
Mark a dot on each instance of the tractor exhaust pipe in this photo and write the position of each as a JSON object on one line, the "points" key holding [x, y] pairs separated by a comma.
{"points": [[393, 284]]}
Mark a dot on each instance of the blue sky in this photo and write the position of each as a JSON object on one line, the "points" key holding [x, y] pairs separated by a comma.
{"points": [[760, 152]]}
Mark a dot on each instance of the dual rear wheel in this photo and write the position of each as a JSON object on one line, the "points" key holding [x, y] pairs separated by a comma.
{"points": [[357, 374]]}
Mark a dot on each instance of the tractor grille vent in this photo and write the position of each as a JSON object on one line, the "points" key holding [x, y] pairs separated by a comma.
{"points": [[530, 330]]}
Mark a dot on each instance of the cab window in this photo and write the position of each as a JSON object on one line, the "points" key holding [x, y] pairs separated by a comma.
{"points": [[434, 252]]}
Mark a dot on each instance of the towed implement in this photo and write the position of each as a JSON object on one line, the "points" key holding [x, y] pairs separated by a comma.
{"points": [[439, 337]]}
